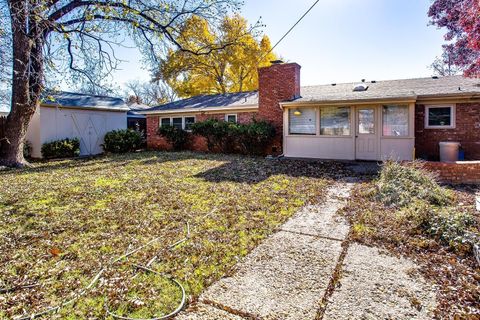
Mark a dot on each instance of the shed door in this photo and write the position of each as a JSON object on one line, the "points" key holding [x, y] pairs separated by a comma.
{"points": [[90, 128], [366, 135]]}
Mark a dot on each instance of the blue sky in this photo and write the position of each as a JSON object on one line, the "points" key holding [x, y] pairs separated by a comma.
{"points": [[340, 40]]}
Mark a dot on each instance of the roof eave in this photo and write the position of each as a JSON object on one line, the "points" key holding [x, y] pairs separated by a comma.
{"points": [[99, 108], [403, 99], [200, 110]]}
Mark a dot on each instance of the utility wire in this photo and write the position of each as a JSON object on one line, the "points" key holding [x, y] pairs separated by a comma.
{"points": [[283, 37], [293, 27]]}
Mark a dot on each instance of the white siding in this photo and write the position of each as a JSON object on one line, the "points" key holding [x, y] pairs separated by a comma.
{"points": [[89, 126], [344, 147]]}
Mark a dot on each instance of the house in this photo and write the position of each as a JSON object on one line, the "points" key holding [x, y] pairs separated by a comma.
{"points": [[136, 120], [73, 115], [368, 120]]}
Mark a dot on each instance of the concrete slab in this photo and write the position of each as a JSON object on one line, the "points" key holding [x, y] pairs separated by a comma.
{"points": [[283, 278], [322, 220], [205, 312], [375, 285]]}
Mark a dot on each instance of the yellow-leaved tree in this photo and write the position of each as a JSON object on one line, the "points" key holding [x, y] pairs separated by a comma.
{"points": [[231, 69]]}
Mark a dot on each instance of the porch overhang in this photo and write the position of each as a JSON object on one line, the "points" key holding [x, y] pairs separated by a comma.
{"points": [[347, 102]]}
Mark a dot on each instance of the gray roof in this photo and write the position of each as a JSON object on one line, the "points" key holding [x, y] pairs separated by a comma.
{"points": [[80, 100], [138, 106], [393, 89], [135, 109], [209, 101], [380, 90]]}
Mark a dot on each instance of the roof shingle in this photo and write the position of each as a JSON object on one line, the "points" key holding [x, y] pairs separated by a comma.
{"points": [[378, 90], [79, 100]]}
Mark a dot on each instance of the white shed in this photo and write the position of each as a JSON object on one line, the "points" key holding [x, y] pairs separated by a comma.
{"points": [[73, 115]]}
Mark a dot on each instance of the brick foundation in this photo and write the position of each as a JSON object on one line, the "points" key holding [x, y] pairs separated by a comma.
{"points": [[462, 172], [467, 132]]}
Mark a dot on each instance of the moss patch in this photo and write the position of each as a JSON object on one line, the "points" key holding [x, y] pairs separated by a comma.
{"points": [[61, 221]]}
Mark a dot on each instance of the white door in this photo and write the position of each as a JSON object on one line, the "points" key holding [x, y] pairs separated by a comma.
{"points": [[366, 134], [90, 129]]}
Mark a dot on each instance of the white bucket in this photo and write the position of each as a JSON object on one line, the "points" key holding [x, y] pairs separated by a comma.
{"points": [[449, 151]]}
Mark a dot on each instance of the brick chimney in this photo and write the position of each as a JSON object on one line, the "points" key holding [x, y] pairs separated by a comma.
{"points": [[277, 83]]}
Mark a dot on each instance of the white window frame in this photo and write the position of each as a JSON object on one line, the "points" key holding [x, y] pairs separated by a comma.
{"points": [[319, 120], [317, 124], [230, 115], [408, 121], [170, 120], [452, 116], [194, 121]]}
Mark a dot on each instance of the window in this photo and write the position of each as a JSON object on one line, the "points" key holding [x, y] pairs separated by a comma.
{"points": [[165, 122], [366, 121], [395, 121], [302, 121], [177, 122], [184, 123], [231, 118], [441, 117], [335, 121], [188, 122]]}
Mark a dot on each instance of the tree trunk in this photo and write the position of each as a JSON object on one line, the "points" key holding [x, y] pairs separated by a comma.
{"points": [[26, 85]]}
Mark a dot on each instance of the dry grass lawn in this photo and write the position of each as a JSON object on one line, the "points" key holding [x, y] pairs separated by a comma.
{"points": [[61, 222]]}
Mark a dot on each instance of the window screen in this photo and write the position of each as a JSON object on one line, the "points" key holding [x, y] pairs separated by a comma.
{"points": [[395, 121], [232, 118], [188, 122], [165, 121], [177, 122], [302, 121], [440, 117], [335, 121]]}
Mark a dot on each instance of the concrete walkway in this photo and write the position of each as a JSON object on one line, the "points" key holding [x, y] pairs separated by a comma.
{"points": [[309, 270]]}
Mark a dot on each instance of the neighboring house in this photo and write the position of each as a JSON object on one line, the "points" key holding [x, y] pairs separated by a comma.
{"points": [[136, 120], [234, 107], [369, 120], [69, 115]]}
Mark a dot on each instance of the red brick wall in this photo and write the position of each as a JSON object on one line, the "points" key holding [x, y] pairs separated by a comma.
{"points": [[277, 83], [467, 172], [157, 142], [467, 132]]}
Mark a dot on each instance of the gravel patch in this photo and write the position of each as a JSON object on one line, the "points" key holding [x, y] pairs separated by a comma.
{"points": [[283, 278], [374, 285], [322, 220], [205, 312]]}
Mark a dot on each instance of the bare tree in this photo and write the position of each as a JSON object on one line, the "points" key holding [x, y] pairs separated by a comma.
{"points": [[149, 93], [80, 36], [445, 66]]}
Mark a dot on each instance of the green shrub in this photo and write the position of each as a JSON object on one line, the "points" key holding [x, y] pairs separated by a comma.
{"points": [[255, 136], [452, 228], [65, 148], [419, 206], [227, 137], [399, 185], [217, 133], [178, 138], [122, 141]]}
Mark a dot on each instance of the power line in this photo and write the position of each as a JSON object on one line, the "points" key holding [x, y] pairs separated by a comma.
{"points": [[281, 39], [293, 27]]}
